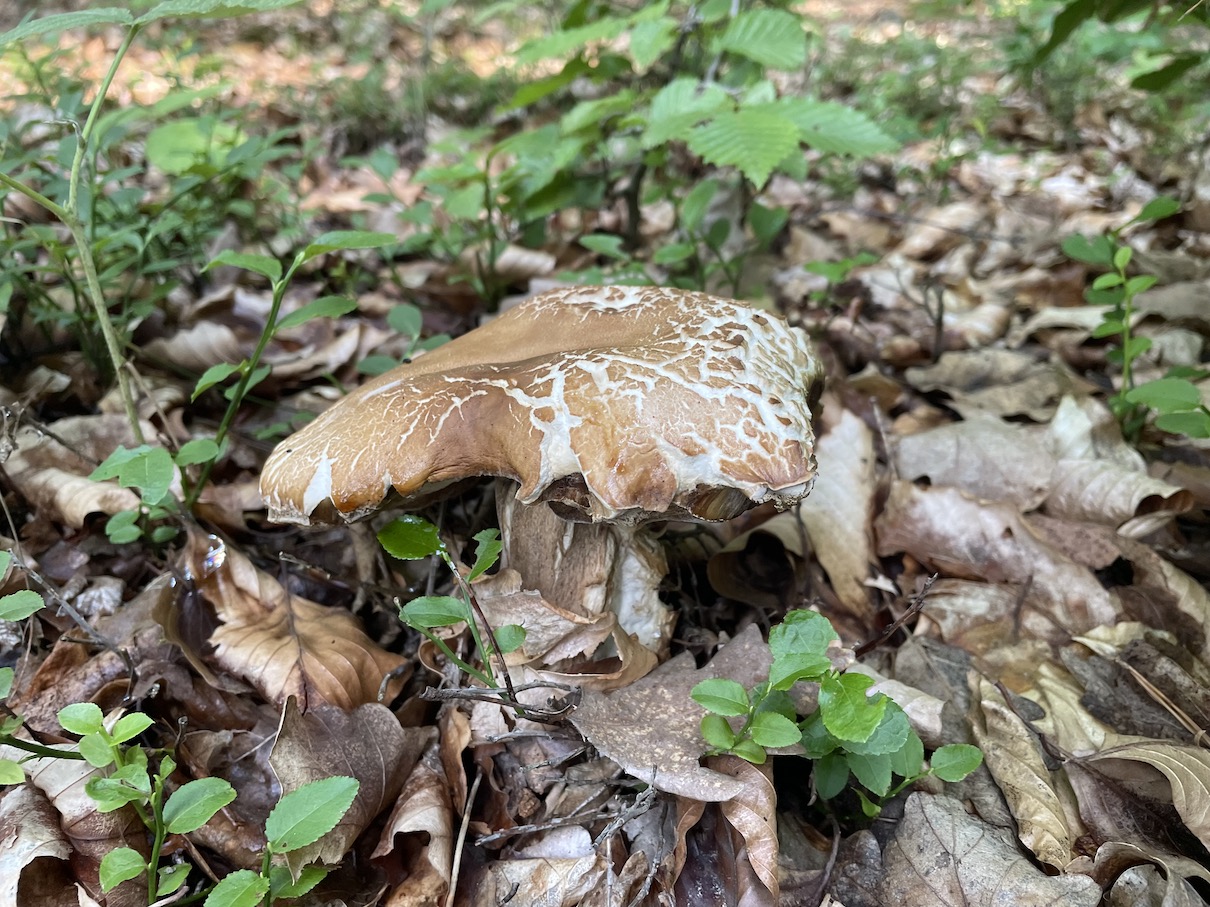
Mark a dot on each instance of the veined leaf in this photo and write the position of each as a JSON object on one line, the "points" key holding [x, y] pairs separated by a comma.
{"points": [[47, 25], [564, 41], [771, 37], [679, 106], [754, 141], [830, 126], [209, 9]]}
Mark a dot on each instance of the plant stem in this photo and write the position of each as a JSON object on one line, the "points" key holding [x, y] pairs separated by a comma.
{"points": [[37, 749]]}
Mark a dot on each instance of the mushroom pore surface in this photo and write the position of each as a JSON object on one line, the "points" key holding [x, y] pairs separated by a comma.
{"points": [[611, 403]]}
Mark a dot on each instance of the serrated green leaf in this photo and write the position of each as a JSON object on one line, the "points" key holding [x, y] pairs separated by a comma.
{"points": [[790, 668], [212, 376], [604, 244], [955, 761], [679, 106], [282, 885], [510, 638], [199, 450], [802, 632], [770, 37], [770, 729], [323, 307], [345, 241], [874, 772], [721, 696], [752, 140], [170, 878], [210, 9], [20, 605], [751, 751], [194, 804], [430, 611], [652, 39], [816, 740], [717, 732], [82, 718], [11, 772], [130, 726], [696, 203], [120, 865], [889, 737], [846, 710], [1168, 395], [96, 750], [264, 265], [830, 775], [487, 551], [831, 126], [305, 815], [242, 888], [410, 538], [562, 42], [909, 760], [60, 22]]}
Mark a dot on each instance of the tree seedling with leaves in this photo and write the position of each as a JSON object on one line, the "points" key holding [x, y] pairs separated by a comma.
{"points": [[1174, 399], [849, 733], [412, 538]]}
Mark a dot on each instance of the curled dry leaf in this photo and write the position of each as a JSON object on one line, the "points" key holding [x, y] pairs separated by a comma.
{"points": [[549, 881], [32, 846], [1002, 382], [940, 855], [937, 230], [366, 743], [664, 744], [197, 347], [752, 814], [424, 815], [1014, 758], [282, 644]]}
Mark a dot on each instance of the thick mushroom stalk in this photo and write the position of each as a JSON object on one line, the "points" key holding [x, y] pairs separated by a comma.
{"points": [[610, 404]]}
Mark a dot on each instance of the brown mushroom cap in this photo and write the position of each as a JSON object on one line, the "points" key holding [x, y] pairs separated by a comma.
{"points": [[611, 403]]}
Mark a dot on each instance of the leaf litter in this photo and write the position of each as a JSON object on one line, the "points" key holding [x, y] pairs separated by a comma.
{"points": [[965, 436]]}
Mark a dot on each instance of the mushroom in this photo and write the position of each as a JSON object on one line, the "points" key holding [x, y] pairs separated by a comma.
{"points": [[612, 406]]}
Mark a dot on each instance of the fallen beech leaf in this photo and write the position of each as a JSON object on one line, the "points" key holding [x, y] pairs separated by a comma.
{"points": [[940, 855], [652, 727], [423, 814], [1002, 382], [550, 882], [282, 644], [367, 744], [1187, 769], [30, 843], [197, 347], [753, 813], [1014, 758]]}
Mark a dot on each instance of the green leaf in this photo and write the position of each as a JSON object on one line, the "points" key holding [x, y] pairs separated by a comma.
{"points": [[696, 203], [1107, 281], [908, 761], [123, 527], [1158, 208], [750, 750], [831, 774], [487, 551], [305, 815], [149, 469], [430, 611], [6, 558], [1140, 284], [846, 710], [1164, 76], [770, 729], [96, 750], [651, 40], [406, 319], [562, 42], [955, 761], [199, 450], [121, 865], [264, 265], [592, 116], [242, 888], [170, 878], [831, 126], [11, 772], [376, 365], [20, 605], [1168, 395], [680, 105], [605, 244], [510, 638], [82, 718], [282, 885], [347, 240], [802, 632], [210, 9], [868, 807], [673, 253], [1192, 424], [1122, 257], [49, 25], [872, 771], [816, 740], [410, 538], [717, 732], [1108, 328], [721, 696], [889, 737], [770, 37], [6, 682], [788, 669], [194, 804], [1136, 347], [1097, 250], [130, 726], [323, 307], [212, 376], [754, 141], [766, 223]]}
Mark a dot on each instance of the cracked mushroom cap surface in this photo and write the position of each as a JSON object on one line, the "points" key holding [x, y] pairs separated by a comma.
{"points": [[624, 404]]}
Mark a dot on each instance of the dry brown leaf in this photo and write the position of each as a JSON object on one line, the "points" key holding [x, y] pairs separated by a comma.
{"points": [[282, 644], [1187, 769], [652, 727], [971, 539], [753, 813], [32, 847], [837, 512], [544, 881], [1001, 382], [424, 815], [1114, 857], [937, 230], [197, 347], [1014, 758], [367, 744], [943, 857]]}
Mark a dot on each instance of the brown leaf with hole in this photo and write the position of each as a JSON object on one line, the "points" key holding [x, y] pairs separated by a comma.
{"points": [[283, 644], [665, 746], [367, 743], [943, 857], [33, 849], [424, 816]]}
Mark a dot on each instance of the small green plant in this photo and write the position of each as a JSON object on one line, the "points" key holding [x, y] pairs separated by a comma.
{"points": [[849, 733], [1174, 400], [412, 538], [406, 320], [836, 272]]}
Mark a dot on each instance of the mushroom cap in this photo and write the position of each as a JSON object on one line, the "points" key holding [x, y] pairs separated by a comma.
{"points": [[624, 404]]}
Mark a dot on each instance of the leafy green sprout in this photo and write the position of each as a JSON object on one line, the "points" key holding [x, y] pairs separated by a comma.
{"points": [[849, 733], [412, 537]]}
